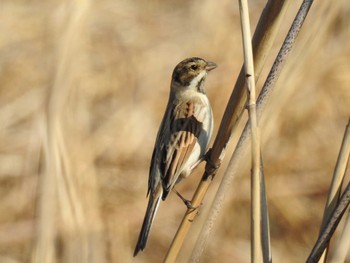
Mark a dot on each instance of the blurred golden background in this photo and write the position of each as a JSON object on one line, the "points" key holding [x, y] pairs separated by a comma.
{"points": [[84, 85]]}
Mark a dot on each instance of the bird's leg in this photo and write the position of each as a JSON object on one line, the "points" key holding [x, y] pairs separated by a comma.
{"points": [[186, 201]]}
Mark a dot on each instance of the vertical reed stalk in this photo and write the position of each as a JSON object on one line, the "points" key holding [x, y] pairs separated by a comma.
{"points": [[256, 246]]}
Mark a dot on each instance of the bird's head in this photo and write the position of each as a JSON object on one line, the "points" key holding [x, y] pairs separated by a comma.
{"points": [[190, 74]]}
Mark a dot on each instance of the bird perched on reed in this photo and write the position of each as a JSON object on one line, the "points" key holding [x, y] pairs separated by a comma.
{"points": [[182, 138]]}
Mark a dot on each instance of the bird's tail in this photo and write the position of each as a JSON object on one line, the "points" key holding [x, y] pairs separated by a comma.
{"points": [[153, 203]]}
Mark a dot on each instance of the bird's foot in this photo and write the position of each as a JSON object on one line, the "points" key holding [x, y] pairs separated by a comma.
{"points": [[187, 202]]}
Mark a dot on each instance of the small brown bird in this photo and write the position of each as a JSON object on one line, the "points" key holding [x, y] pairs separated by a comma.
{"points": [[182, 138]]}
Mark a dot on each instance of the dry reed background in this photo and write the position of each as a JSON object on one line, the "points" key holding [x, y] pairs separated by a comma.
{"points": [[101, 72]]}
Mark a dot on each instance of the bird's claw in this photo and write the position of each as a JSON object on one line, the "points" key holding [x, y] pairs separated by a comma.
{"points": [[187, 202]]}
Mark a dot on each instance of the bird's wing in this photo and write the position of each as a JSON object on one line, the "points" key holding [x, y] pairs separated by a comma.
{"points": [[186, 124]]}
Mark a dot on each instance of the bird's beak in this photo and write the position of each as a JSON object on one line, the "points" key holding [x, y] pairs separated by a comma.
{"points": [[210, 66]]}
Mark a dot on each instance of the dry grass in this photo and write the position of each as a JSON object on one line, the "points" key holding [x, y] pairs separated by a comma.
{"points": [[106, 66]]}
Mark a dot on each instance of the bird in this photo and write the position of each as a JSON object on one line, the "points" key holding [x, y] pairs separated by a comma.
{"points": [[182, 139]]}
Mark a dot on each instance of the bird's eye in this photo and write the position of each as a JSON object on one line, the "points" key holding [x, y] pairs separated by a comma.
{"points": [[194, 67]]}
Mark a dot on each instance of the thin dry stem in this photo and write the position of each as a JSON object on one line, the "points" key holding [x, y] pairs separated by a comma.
{"points": [[341, 248], [255, 223], [265, 223], [330, 227], [337, 181]]}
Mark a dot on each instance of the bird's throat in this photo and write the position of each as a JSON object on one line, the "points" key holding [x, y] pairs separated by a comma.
{"points": [[197, 83], [200, 85]]}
